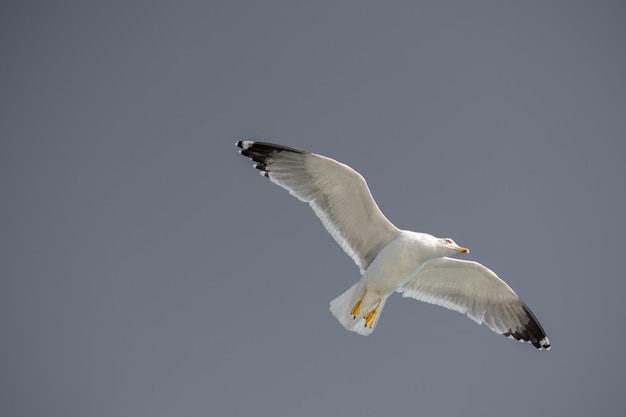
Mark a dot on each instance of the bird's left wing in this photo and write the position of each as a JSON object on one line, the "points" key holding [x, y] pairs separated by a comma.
{"points": [[337, 194], [470, 288]]}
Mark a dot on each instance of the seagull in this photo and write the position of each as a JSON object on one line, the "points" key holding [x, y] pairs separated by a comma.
{"points": [[417, 265]]}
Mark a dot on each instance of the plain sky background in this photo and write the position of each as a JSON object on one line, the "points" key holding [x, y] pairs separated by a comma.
{"points": [[147, 270]]}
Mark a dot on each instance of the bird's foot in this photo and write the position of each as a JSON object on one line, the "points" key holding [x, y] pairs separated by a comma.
{"points": [[357, 307], [370, 317]]}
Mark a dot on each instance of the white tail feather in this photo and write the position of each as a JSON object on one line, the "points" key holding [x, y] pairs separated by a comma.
{"points": [[341, 308]]}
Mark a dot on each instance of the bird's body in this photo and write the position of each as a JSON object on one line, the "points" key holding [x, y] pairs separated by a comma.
{"points": [[397, 262], [391, 260], [394, 266]]}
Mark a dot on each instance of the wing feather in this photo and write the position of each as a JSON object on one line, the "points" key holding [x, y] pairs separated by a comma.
{"points": [[470, 288], [338, 195]]}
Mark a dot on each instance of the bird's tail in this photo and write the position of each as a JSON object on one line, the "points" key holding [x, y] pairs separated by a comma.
{"points": [[341, 307]]}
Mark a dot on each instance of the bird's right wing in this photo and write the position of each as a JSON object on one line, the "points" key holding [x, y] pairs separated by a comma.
{"points": [[470, 288], [338, 195]]}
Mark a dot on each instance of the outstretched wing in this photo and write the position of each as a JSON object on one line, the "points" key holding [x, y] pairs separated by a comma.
{"points": [[472, 289], [338, 195]]}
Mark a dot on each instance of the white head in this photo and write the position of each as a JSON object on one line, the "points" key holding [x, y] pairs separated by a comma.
{"points": [[449, 247]]}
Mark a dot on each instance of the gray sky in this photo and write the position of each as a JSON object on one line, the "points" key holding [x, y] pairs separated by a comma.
{"points": [[148, 271]]}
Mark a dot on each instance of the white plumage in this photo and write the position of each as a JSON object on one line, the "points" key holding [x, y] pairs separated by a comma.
{"points": [[414, 264]]}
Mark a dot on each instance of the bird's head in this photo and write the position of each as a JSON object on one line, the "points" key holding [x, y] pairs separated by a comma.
{"points": [[449, 246]]}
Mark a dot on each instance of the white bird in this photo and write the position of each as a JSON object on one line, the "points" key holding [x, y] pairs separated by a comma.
{"points": [[414, 264]]}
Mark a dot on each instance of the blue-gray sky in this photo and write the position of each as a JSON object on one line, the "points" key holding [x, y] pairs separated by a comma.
{"points": [[148, 271]]}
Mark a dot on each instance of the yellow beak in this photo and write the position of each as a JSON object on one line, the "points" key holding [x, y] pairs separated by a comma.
{"points": [[460, 249]]}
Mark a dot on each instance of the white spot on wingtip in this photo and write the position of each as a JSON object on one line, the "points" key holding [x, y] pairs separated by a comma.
{"points": [[245, 144]]}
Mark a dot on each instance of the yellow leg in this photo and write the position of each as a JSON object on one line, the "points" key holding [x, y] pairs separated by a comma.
{"points": [[370, 317], [357, 307]]}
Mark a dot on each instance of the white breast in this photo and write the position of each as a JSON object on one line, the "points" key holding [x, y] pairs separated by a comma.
{"points": [[397, 262]]}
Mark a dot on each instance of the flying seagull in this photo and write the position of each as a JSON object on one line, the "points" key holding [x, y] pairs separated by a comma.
{"points": [[417, 265]]}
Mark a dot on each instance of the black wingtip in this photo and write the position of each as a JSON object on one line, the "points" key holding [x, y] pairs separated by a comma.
{"points": [[262, 152], [531, 332], [245, 144], [266, 147]]}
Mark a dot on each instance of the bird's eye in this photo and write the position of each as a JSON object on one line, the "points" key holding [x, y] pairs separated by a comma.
{"points": [[449, 241]]}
